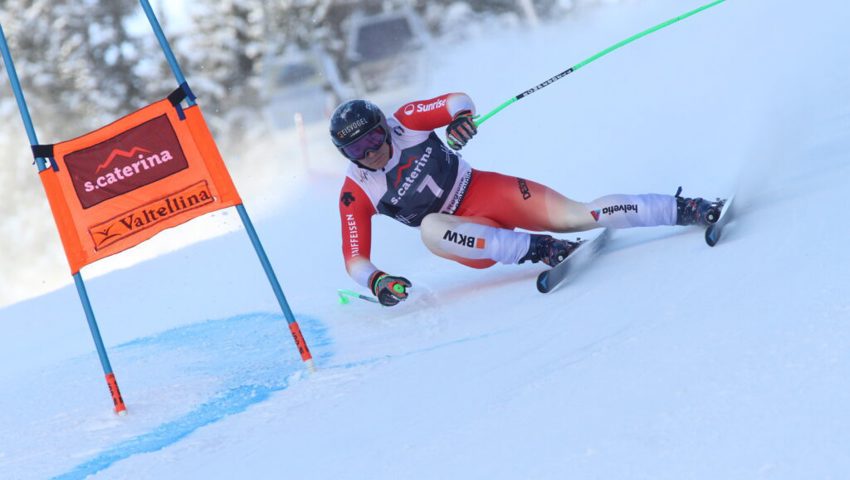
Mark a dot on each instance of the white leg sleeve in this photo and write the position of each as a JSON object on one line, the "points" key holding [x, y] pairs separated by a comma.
{"points": [[450, 236], [624, 211]]}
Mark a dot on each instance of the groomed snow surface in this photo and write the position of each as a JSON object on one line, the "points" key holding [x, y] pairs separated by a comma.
{"points": [[665, 359]]}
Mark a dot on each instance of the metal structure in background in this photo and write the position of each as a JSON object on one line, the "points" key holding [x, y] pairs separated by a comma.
{"points": [[384, 50]]}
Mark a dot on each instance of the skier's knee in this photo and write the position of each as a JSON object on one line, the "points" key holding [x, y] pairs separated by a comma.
{"points": [[431, 227], [429, 222]]}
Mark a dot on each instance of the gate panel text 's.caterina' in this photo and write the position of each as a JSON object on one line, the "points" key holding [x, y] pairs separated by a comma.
{"points": [[120, 185]]}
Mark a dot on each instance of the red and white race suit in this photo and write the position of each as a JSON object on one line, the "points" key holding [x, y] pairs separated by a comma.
{"points": [[471, 214], [423, 176]]}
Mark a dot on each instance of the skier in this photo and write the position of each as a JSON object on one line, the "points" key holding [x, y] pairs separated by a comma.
{"points": [[401, 168]]}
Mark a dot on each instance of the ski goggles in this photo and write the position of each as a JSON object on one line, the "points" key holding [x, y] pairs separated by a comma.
{"points": [[371, 141]]}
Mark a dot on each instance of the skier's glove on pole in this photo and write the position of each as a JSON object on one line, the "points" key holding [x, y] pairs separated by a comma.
{"points": [[389, 289], [461, 130]]}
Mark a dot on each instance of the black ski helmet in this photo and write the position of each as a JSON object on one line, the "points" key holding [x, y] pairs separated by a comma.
{"points": [[354, 119]]}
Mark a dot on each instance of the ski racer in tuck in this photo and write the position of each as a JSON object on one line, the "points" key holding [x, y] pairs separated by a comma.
{"points": [[402, 169]]}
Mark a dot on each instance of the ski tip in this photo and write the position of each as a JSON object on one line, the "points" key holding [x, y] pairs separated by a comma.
{"points": [[711, 238], [714, 231], [543, 282]]}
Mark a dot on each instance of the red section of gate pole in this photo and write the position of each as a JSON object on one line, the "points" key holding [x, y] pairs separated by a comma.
{"points": [[302, 346], [120, 408]]}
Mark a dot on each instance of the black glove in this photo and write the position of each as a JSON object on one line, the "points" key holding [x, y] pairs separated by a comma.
{"points": [[389, 289], [461, 130]]}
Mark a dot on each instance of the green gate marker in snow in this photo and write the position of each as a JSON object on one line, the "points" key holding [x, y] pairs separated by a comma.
{"points": [[481, 119]]}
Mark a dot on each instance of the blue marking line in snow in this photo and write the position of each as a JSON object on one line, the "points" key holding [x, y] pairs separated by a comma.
{"points": [[248, 386], [229, 403], [269, 338]]}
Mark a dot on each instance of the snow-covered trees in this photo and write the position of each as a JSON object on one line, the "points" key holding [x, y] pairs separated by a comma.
{"points": [[78, 61], [85, 62]]}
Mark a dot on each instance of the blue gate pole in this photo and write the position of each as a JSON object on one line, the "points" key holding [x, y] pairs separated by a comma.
{"points": [[166, 47], [243, 214], [278, 291], [19, 96], [120, 408], [41, 162]]}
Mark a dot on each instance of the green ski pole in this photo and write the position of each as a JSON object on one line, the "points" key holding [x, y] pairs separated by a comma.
{"points": [[483, 118], [345, 294]]}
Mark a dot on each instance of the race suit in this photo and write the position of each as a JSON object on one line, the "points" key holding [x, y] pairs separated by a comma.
{"points": [[423, 176], [471, 214]]}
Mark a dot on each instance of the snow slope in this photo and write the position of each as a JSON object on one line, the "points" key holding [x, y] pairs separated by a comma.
{"points": [[666, 359]]}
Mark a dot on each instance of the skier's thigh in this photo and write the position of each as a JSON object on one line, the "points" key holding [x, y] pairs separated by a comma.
{"points": [[435, 226]]}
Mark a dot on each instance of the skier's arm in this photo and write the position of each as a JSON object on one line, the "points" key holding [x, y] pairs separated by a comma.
{"points": [[355, 214], [435, 112]]}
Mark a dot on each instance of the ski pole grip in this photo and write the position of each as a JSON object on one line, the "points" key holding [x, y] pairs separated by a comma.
{"points": [[477, 120]]}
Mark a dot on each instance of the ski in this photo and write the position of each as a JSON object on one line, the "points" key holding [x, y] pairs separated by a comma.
{"points": [[713, 232], [550, 279]]}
